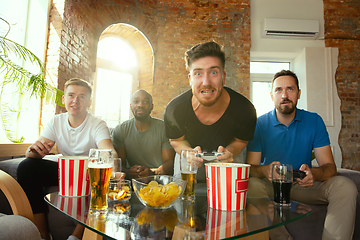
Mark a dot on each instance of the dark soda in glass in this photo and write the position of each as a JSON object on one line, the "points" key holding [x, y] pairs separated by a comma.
{"points": [[282, 192]]}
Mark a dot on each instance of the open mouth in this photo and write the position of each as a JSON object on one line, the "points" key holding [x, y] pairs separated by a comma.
{"points": [[207, 91]]}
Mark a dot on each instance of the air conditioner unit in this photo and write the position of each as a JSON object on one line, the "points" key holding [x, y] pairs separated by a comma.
{"points": [[291, 28]]}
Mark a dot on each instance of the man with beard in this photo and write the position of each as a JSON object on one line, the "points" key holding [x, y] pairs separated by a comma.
{"points": [[288, 135], [141, 141], [209, 117]]}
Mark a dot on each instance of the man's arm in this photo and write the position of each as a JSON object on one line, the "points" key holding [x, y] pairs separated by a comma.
{"points": [[167, 168], [326, 169], [40, 148], [231, 150], [180, 144], [107, 144], [256, 170], [121, 152], [236, 146]]}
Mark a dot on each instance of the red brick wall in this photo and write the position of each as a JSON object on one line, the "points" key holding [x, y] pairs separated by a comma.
{"points": [[182, 24], [171, 26], [342, 19]]}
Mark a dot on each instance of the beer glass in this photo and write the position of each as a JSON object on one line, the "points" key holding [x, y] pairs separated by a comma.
{"points": [[100, 167], [282, 177], [188, 168]]}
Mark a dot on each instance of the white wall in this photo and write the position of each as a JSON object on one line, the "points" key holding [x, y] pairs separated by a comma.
{"points": [[262, 48], [314, 64]]}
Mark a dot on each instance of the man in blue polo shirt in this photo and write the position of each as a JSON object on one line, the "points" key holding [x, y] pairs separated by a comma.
{"points": [[289, 135]]}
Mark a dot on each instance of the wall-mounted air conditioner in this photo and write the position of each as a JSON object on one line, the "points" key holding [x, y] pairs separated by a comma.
{"points": [[291, 28]]}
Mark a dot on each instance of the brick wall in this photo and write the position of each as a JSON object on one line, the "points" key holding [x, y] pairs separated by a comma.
{"points": [[182, 24], [342, 31], [173, 26]]}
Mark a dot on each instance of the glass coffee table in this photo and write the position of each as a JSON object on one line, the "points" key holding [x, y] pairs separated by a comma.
{"points": [[185, 220]]}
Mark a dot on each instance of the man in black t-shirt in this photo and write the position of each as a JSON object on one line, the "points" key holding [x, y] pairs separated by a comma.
{"points": [[209, 117]]}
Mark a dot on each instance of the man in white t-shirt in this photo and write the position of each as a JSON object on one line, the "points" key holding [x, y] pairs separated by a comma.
{"points": [[74, 133]]}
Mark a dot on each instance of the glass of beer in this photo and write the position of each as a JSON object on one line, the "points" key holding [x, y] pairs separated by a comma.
{"points": [[188, 168], [100, 167], [282, 178]]}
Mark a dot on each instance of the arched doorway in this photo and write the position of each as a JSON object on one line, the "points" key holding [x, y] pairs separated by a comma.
{"points": [[124, 64]]}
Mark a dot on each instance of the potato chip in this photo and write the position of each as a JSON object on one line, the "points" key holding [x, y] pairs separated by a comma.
{"points": [[157, 195], [122, 193], [158, 219]]}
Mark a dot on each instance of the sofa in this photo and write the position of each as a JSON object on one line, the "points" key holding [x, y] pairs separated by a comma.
{"points": [[306, 228], [19, 225], [60, 226]]}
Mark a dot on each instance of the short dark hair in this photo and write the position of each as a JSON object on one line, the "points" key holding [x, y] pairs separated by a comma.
{"points": [[146, 92], [208, 49], [285, 73], [78, 82]]}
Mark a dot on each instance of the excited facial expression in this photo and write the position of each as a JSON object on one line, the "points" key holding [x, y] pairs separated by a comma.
{"points": [[76, 100], [207, 78], [141, 105], [285, 94]]}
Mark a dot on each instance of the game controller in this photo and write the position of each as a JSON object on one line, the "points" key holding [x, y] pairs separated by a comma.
{"points": [[299, 174], [209, 156]]}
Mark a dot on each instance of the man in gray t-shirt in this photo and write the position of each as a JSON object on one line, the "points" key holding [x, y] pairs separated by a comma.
{"points": [[141, 142]]}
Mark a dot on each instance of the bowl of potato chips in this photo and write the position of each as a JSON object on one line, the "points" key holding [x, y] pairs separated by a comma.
{"points": [[159, 191]]}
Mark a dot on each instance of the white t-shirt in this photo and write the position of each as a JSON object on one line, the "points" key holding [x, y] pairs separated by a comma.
{"points": [[76, 141]]}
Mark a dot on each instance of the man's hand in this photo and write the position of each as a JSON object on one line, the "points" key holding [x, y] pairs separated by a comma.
{"points": [[308, 181], [227, 157], [137, 171], [200, 160], [144, 171], [268, 170], [134, 171], [41, 147]]}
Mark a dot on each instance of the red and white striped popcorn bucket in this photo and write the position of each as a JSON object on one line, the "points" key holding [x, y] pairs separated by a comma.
{"points": [[227, 185], [73, 176], [75, 207], [224, 224]]}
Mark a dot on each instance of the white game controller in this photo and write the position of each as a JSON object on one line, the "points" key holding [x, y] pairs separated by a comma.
{"points": [[209, 156]]}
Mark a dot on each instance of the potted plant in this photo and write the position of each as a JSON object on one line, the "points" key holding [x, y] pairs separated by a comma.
{"points": [[18, 85]]}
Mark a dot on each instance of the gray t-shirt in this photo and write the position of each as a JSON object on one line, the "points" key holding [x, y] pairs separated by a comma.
{"points": [[142, 148]]}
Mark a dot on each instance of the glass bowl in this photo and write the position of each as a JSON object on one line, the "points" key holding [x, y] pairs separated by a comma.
{"points": [[159, 191], [154, 224]]}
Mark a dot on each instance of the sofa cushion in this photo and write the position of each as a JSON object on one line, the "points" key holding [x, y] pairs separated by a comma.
{"points": [[15, 227], [10, 166]]}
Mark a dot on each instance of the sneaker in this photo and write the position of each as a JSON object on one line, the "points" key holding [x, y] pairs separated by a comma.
{"points": [[72, 237]]}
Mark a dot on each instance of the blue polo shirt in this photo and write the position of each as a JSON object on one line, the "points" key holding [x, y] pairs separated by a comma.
{"points": [[289, 145]]}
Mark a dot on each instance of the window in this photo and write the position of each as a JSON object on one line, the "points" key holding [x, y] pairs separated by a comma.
{"points": [[117, 67], [29, 28], [261, 74]]}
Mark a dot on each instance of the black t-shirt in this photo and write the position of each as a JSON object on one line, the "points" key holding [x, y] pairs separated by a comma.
{"points": [[239, 120]]}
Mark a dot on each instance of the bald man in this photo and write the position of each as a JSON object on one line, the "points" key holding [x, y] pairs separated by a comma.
{"points": [[141, 142]]}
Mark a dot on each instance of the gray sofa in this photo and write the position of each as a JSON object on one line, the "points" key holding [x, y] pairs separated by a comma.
{"points": [[307, 228], [60, 226]]}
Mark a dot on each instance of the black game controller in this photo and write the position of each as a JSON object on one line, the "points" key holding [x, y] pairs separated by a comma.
{"points": [[299, 174], [209, 156]]}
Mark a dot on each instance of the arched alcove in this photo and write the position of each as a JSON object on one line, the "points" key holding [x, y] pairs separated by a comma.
{"points": [[139, 75]]}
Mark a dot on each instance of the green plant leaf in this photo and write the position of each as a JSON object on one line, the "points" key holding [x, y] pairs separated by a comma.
{"points": [[24, 83]]}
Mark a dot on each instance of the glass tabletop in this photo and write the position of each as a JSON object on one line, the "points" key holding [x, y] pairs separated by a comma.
{"points": [[131, 220]]}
